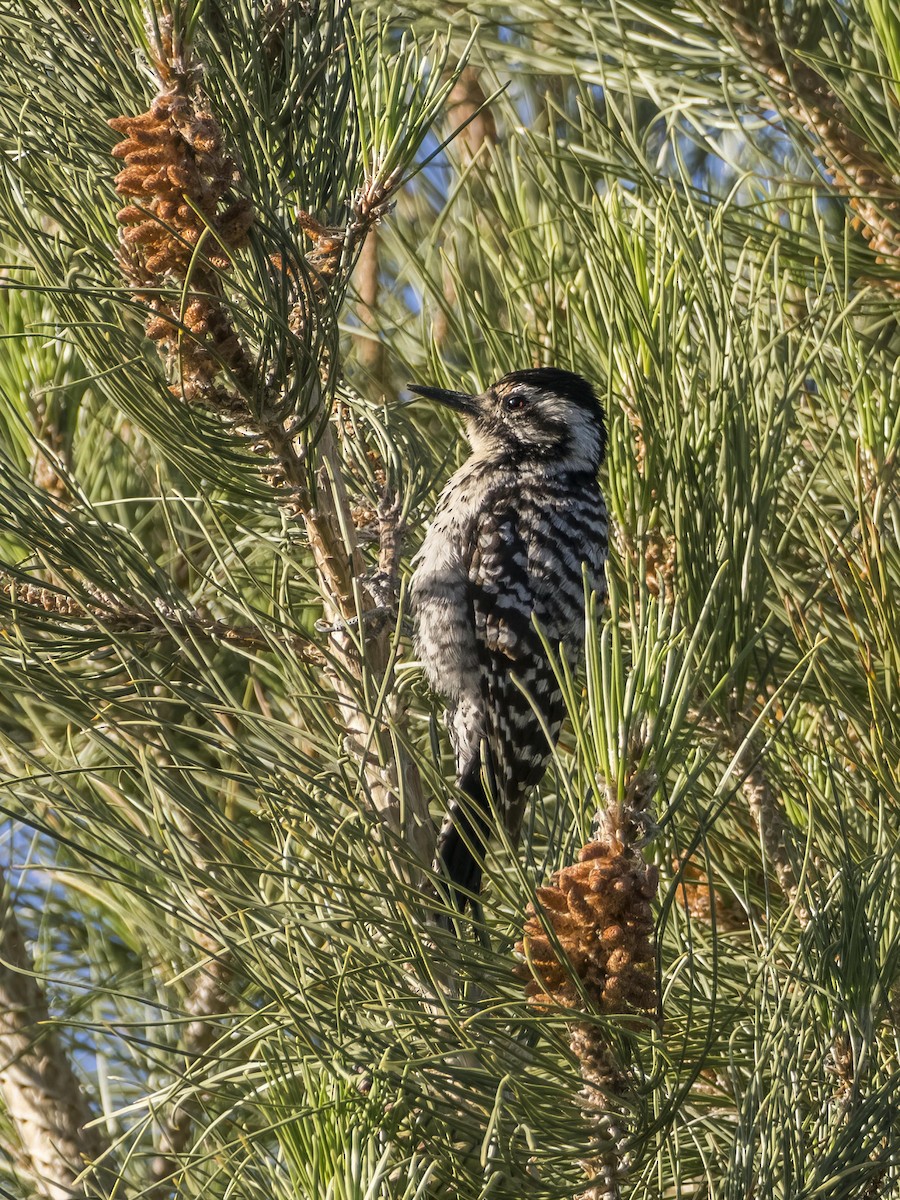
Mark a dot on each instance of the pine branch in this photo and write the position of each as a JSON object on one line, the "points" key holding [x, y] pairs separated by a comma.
{"points": [[141, 620], [183, 180], [765, 809], [52, 1115], [474, 131], [768, 819], [392, 778], [209, 999], [871, 187], [469, 116], [589, 948]]}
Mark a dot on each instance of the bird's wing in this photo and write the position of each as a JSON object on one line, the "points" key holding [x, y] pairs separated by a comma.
{"points": [[510, 649], [500, 588]]}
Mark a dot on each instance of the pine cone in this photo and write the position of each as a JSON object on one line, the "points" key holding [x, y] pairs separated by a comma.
{"points": [[599, 911]]}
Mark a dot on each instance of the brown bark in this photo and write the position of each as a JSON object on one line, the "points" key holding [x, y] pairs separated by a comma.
{"points": [[466, 103], [39, 1087], [369, 348], [472, 142]]}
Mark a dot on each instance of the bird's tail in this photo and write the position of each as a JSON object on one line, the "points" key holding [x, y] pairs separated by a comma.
{"points": [[463, 839]]}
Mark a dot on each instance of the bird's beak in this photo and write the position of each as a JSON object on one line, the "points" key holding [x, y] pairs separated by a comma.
{"points": [[460, 401]]}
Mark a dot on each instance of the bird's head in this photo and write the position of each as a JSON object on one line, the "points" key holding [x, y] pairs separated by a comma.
{"points": [[538, 415]]}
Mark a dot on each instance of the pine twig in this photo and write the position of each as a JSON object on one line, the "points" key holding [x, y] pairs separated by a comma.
{"points": [[474, 135], [392, 779], [469, 113], [210, 998]]}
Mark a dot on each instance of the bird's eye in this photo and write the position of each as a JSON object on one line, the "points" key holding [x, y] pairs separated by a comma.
{"points": [[513, 401]]}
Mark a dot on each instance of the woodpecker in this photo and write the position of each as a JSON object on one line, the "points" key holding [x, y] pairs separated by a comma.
{"points": [[511, 531]]}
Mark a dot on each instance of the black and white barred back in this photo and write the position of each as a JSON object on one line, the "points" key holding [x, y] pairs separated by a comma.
{"points": [[512, 529]]}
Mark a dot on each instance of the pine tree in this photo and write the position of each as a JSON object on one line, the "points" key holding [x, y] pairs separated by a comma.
{"points": [[231, 234]]}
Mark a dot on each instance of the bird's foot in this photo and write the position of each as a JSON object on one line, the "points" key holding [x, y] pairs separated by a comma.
{"points": [[372, 621], [381, 586]]}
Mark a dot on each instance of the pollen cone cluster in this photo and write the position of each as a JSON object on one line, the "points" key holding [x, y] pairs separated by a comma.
{"points": [[599, 911], [702, 901], [311, 287], [180, 226], [333, 250], [324, 258]]}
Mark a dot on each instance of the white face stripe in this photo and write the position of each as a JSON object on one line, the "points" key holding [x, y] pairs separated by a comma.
{"points": [[555, 408], [584, 436], [576, 429]]}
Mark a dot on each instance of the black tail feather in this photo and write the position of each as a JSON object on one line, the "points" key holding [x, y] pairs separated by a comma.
{"points": [[461, 867], [463, 839]]}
